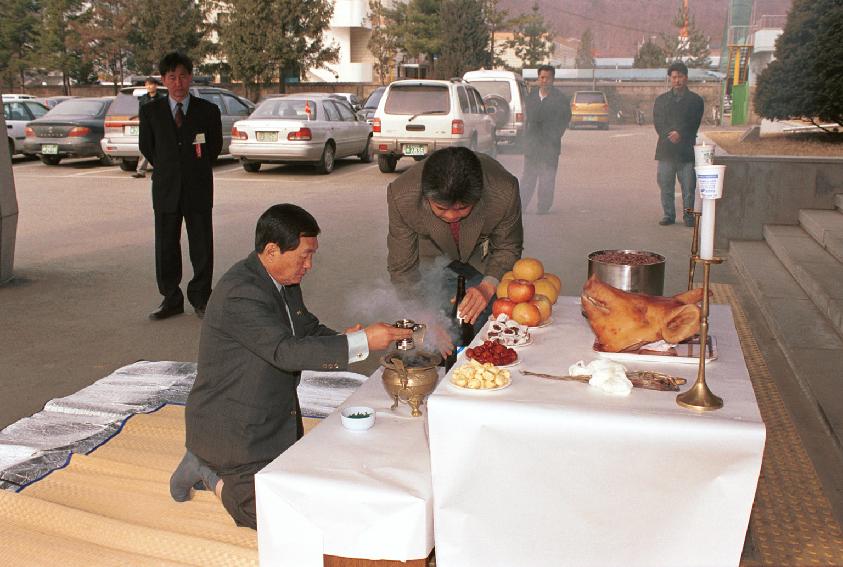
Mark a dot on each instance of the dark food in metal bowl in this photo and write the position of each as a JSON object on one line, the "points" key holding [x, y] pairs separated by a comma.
{"points": [[630, 270], [627, 258]]}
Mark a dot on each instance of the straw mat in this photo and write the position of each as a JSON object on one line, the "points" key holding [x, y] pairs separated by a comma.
{"points": [[112, 507]]}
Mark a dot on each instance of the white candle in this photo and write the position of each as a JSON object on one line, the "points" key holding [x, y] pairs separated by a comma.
{"points": [[707, 229]]}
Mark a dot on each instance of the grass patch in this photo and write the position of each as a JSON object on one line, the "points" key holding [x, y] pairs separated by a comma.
{"points": [[796, 144]]}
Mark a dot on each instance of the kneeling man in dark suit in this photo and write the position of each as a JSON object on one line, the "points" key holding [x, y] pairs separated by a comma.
{"points": [[257, 337]]}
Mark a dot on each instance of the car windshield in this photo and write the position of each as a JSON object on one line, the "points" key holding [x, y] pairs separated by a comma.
{"points": [[589, 98], [418, 99], [290, 108], [78, 108], [500, 88], [374, 99]]}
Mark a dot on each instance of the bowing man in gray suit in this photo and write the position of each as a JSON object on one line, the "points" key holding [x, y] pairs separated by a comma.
{"points": [[257, 336]]}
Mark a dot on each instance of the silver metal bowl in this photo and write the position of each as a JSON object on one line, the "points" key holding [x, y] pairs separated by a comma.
{"points": [[640, 278]]}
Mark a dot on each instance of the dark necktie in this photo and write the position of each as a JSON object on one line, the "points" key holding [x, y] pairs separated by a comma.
{"points": [[179, 115]]}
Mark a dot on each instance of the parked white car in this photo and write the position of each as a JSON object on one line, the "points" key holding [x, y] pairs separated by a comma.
{"points": [[296, 128], [507, 92], [417, 117], [17, 112]]}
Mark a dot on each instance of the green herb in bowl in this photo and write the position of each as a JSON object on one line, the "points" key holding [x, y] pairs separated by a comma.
{"points": [[359, 415]]}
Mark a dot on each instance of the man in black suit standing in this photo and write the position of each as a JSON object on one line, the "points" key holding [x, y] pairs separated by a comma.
{"points": [[548, 116], [181, 136], [151, 95]]}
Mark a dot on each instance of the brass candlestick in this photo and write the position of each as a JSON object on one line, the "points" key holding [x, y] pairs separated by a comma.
{"points": [[699, 397], [695, 246]]}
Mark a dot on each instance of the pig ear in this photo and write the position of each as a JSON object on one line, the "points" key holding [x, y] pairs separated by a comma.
{"points": [[681, 323], [690, 296]]}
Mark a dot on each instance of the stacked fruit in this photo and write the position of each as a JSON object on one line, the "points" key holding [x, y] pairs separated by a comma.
{"points": [[527, 293]]}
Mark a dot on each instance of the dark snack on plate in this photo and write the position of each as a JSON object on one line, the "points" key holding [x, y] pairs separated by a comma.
{"points": [[360, 415], [493, 352], [627, 258]]}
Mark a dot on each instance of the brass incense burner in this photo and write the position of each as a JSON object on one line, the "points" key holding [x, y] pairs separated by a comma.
{"points": [[410, 376]]}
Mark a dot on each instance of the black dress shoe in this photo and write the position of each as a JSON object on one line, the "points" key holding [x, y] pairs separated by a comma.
{"points": [[166, 311], [666, 221], [200, 311]]}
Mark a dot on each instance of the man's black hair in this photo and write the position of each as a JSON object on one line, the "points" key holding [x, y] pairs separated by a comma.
{"points": [[152, 80], [172, 60], [546, 68], [677, 66], [284, 225], [452, 175]]}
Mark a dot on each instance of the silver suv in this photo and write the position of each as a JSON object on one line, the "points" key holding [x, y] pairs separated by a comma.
{"points": [[507, 93], [417, 117]]}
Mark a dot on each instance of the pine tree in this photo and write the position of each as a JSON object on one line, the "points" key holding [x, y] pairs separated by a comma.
{"points": [[688, 44], [649, 56], [531, 41], [464, 37], [161, 26], [418, 28], [102, 33], [585, 51], [18, 36], [383, 42], [58, 45], [806, 77]]}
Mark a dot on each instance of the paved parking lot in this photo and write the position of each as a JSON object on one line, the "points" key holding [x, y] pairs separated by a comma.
{"points": [[85, 272]]}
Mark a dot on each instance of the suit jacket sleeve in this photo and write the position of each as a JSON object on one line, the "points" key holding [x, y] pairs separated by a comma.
{"points": [[692, 119], [507, 238], [659, 118], [402, 246], [251, 320], [146, 138], [214, 141]]}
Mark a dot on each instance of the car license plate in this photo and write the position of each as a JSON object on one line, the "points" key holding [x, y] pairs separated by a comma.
{"points": [[49, 149], [131, 130], [267, 136], [414, 149]]}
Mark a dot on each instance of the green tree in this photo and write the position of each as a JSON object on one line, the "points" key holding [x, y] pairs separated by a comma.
{"points": [[383, 43], [585, 51], [806, 77], [58, 46], [102, 32], [688, 44], [263, 39], [418, 30], [18, 36], [649, 56], [531, 41], [465, 37], [496, 19], [161, 26]]}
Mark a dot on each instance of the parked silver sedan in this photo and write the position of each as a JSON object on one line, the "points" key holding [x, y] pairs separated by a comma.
{"points": [[312, 128]]}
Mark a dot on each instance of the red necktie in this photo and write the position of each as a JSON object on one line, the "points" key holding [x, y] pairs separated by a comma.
{"points": [[455, 231], [179, 115]]}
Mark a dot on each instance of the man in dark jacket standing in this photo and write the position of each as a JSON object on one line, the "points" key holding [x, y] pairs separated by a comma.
{"points": [[676, 116], [151, 95], [181, 136], [548, 116]]}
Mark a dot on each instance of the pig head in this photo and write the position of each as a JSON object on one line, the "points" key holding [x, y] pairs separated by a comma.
{"points": [[623, 320]]}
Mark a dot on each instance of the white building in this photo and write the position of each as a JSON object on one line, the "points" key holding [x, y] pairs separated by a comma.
{"points": [[350, 31]]}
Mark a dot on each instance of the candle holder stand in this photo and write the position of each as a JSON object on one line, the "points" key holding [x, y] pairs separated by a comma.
{"points": [[699, 397], [695, 247]]}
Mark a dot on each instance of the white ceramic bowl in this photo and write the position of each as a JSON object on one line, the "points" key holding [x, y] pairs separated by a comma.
{"points": [[357, 423]]}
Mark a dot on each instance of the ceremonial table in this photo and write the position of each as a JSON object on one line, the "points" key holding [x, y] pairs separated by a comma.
{"points": [[350, 494], [558, 473]]}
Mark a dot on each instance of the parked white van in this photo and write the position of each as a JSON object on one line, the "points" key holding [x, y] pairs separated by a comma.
{"points": [[507, 93]]}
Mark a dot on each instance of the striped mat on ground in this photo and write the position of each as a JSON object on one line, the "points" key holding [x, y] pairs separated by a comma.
{"points": [[112, 506]]}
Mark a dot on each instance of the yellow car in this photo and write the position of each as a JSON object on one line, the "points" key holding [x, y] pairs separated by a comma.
{"points": [[589, 108]]}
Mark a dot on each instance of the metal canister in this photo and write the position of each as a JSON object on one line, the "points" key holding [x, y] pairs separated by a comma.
{"points": [[640, 278]]}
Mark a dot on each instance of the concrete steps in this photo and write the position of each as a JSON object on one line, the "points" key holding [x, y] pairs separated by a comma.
{"points": [[796, 277]]}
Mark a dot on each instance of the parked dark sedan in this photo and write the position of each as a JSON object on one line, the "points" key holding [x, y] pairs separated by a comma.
{"points": [[73, 128]]}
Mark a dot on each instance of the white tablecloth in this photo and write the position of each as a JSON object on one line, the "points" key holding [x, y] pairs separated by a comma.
{"points": [[363, 494], [558, 473]]}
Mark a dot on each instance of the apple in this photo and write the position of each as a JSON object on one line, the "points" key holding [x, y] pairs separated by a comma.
{"points": [[545, 287], [503, 289], [528, 269], [503, 305], [527, 314], [520, 291], [544, 305]]}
